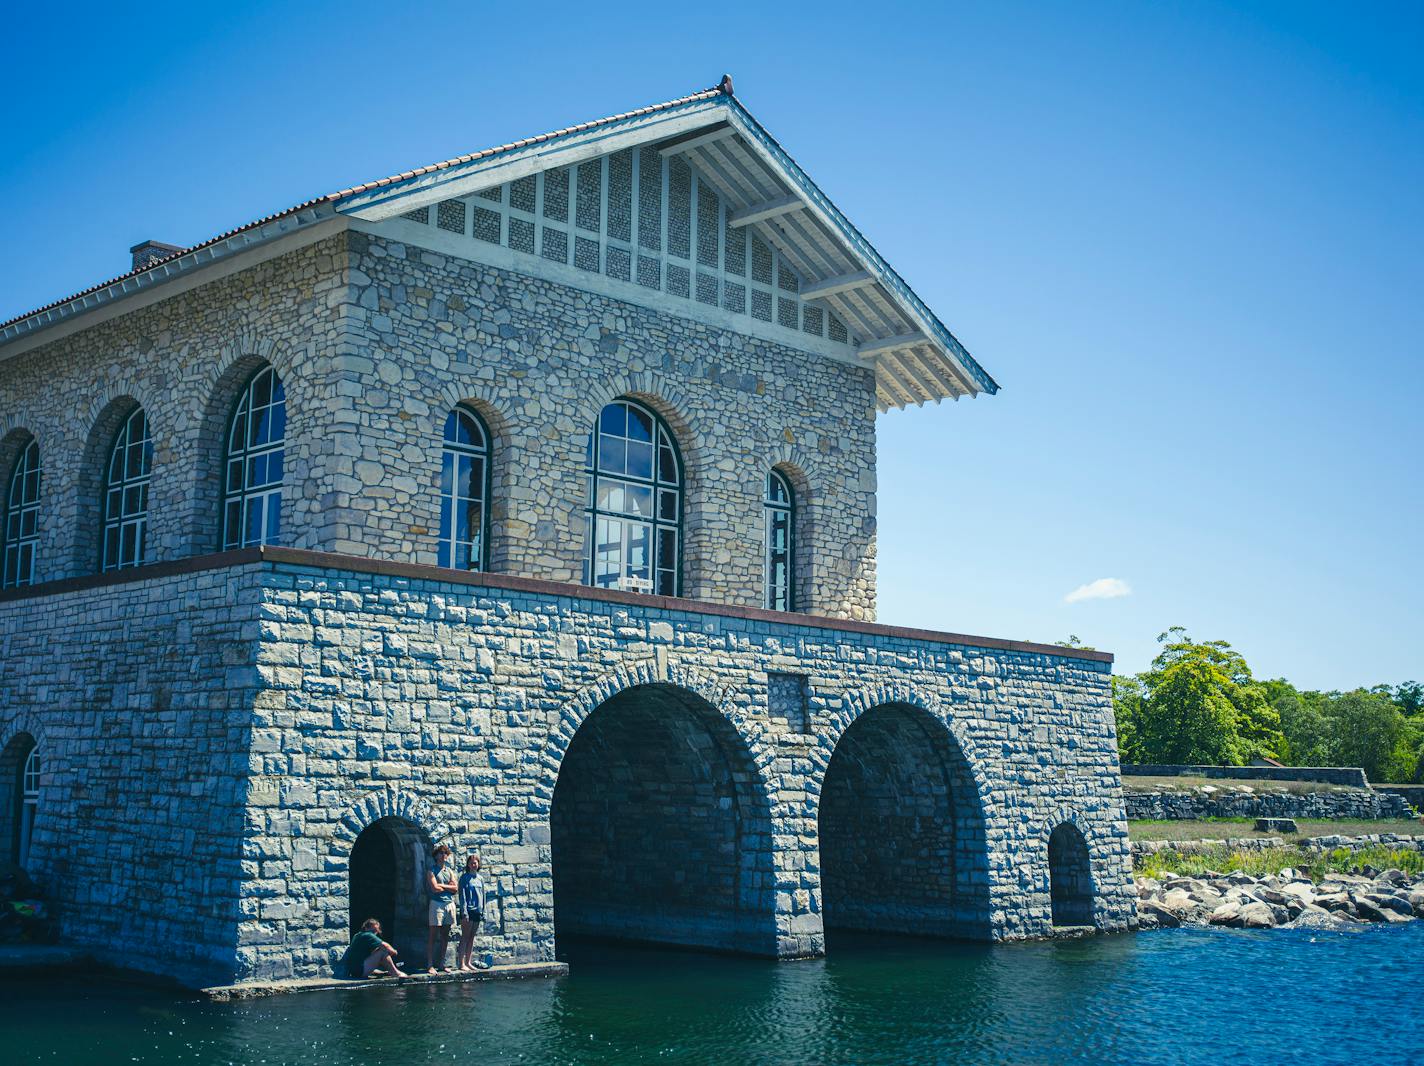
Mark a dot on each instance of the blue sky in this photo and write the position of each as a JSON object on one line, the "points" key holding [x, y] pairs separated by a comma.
{"points": [[1186, 240]]}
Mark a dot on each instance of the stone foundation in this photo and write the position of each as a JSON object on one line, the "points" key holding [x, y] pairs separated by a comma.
{"points": [[626, 765]]}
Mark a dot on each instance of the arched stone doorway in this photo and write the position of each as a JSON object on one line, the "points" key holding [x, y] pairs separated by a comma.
{"points": [[660, 829], [1070, 876], [20, 763], [901, 830], [388, 861]]}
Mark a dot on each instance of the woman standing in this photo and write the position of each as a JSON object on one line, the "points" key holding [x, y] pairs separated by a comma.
{"points": [[472, 910]]}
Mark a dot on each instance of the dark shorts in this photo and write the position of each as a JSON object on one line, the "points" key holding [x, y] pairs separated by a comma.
{"points": [[472, 916]]}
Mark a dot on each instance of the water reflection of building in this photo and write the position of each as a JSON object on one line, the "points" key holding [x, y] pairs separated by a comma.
{"points": [[526, 501]]}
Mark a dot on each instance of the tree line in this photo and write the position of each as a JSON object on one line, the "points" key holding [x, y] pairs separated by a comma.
{"points": [[1199, 703]]}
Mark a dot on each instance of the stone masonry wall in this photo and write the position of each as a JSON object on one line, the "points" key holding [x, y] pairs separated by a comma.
{"points": [[459, 702], [375, 341], [184, 360], [539, 360], [1345, 803], [194, 793], [139, 698]]}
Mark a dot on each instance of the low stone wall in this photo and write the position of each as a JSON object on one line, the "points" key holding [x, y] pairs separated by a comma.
{"points": [[1412, 794], [1349, 776], [1323, 843], [1197, 804]]}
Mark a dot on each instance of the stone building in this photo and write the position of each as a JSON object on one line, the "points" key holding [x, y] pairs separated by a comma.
{"points": [[525, 501]]}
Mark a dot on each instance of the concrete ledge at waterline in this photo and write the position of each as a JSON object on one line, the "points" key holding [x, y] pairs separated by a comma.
{"points": [[507, 972]]}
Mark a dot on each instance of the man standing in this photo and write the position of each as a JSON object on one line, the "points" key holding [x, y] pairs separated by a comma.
{"points": [[472, 910], [440, 881]]}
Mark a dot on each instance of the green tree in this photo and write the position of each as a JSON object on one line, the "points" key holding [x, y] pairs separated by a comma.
{"points": [[1410, 698], [1218, 677], [1364, 730], [1128, 698], [1188, 717]]}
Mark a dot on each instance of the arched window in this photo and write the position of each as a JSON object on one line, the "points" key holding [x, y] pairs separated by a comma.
{"points": [[779, 509], [634, 532], [256, 438], [464, 491], [126, 495], [22, 519], [29, 788]]}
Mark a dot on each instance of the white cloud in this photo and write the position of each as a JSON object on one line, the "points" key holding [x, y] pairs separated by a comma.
{"points": [[1105, 588]]}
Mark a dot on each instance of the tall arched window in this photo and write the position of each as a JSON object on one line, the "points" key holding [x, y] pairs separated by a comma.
{"points": [[464, 491], [256, 438], [779, 512], [29, 789], [634, 532], [126, 495], [22, 519]]}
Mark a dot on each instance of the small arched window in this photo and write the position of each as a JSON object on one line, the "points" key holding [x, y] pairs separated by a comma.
{"points": [[464, 491], [252, 485], [126, 495], [22, 519], [633, 536], [778, 509], [29, 789]]}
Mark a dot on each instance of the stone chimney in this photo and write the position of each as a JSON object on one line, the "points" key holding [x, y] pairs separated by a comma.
{"points": [[150, 252]]}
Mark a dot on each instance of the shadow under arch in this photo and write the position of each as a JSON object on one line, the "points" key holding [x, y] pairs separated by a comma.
{"points": [[901, 827], [661, 829], [1070, 876]]}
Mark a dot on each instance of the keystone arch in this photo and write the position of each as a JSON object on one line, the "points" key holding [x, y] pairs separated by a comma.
{"points": [[901, 822], [660, 818]]}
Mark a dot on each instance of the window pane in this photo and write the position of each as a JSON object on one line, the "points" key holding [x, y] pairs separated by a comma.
{"points": [[614, 420], [612, 455], [640, 460], [640, 425]]}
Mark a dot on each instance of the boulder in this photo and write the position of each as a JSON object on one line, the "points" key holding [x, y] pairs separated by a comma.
{"points": [[1160, 917], [1388, 901], [1226, 914], [1416, 900], [1259, 916], [1398, 877], [1276, 825]]}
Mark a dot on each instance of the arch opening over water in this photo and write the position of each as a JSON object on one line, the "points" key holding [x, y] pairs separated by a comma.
{"points": [[901, 830], [388, 860], [1070, 876], [660, 828]]}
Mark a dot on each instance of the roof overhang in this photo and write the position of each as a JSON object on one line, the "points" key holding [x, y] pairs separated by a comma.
{"points": [[914, 356]]}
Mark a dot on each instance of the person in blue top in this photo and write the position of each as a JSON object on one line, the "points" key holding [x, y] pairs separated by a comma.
{"points": [[472, 911]]}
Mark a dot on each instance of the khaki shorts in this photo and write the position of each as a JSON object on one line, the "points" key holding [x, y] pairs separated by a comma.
{"points": [[442, 912]]}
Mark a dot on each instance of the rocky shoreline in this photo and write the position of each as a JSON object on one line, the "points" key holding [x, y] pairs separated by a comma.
{"points": [[1290, 899]]}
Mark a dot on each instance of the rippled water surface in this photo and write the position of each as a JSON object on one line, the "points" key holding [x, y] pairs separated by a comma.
{"points": [[1180, 996]]}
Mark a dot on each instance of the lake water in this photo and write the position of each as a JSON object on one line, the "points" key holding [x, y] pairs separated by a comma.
{"points": [[1178, 996]]}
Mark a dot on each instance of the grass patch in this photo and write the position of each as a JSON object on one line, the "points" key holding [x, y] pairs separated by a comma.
{"points": [[1220, 828], [1223, 860], [1182, 784]]}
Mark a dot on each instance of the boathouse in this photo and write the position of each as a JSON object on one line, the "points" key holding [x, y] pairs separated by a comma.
{"points": [[526, 502]]}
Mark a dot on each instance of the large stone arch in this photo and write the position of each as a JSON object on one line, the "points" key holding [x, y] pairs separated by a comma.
{"points": [[901, 819], [238, 361], [661, 822]]}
